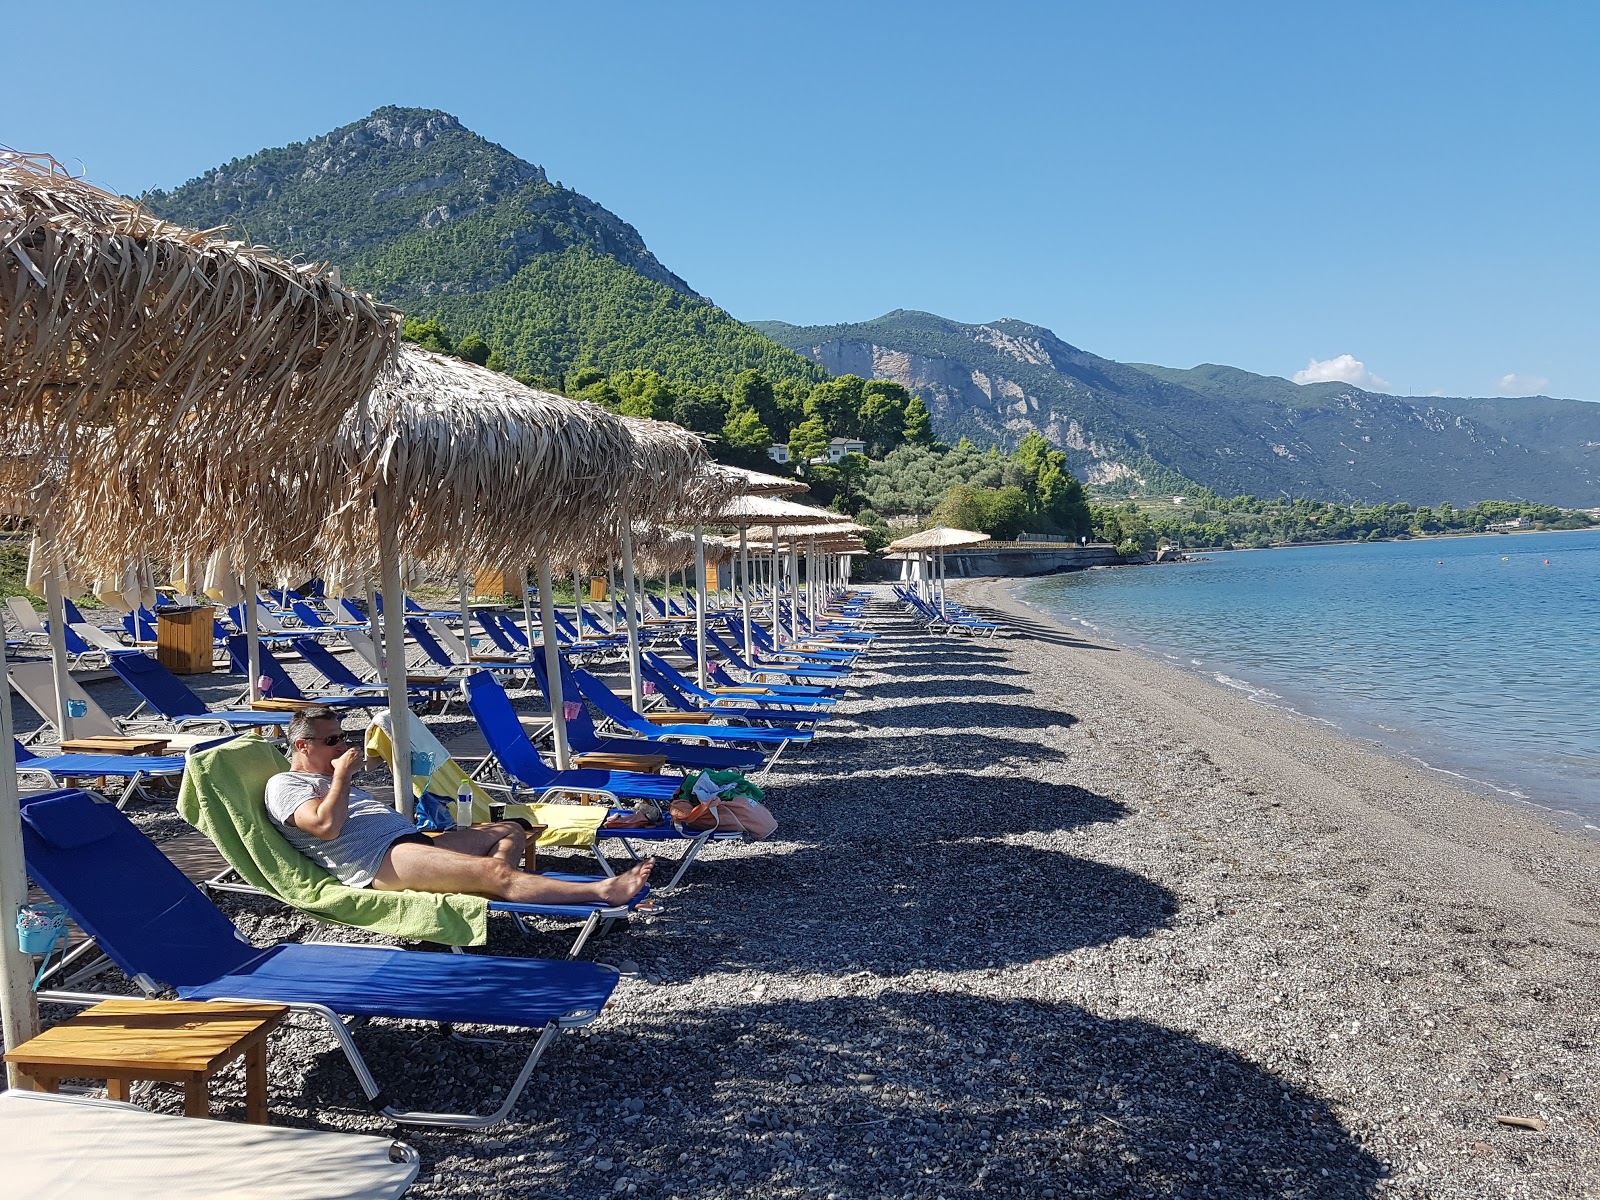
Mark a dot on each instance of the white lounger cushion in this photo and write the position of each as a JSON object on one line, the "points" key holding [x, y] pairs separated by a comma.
{"points": [[69, 1148]]}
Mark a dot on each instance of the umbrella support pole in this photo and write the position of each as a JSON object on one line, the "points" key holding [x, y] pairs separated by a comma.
{"points": [[630, 609], [19, 1011], [552, 664], [700, 600], [394, 656]]}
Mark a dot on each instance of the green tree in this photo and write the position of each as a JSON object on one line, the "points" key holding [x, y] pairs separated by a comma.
{"points": [[835, 403], [806, 441], [881, 419], [583, 377], [754, 390], [919, 424], [429, 334], [700, 409], [744, 434], [496, 361], [643, 394], [473, 348]]}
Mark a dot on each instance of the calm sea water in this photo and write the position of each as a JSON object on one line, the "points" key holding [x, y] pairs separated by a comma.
{"points": [[1476, 656]]}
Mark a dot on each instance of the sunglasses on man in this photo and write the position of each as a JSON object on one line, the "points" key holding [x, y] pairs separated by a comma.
{"points": [[333, 740]]}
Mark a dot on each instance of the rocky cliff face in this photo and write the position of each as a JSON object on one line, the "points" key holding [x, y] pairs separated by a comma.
{"points": [[408, 202], [1228, 429]]}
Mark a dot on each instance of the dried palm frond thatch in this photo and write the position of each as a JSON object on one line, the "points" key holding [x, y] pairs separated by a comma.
{"points": [[487, 471], [174, 371]]}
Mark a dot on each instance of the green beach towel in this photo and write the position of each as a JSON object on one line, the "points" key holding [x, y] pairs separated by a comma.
{"points": [[223, 796]]}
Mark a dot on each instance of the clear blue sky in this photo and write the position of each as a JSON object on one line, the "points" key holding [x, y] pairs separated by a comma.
{"points": [[1414, 185]]}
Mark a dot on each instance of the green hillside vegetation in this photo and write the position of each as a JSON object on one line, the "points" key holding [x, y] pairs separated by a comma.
{"points": [[580, 309], [1208, 521]]}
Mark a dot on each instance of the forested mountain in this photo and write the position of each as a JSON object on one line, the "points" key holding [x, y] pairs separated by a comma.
{"points": [[431, 217], [1153, 428]]}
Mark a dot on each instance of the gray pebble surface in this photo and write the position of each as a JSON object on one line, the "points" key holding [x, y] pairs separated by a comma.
{"points": [[1042, 918]]}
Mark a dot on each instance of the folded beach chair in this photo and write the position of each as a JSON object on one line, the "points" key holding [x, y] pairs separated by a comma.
{"points": [[519, 761], [582, 738], [132, 769], [163, 932], [74, 1146], [224, 796], [35, 683], [169, 696], [614, 709]]}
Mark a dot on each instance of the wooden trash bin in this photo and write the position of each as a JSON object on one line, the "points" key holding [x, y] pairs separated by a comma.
{"points": [[498, 585], [597, 588], [183, 640]]}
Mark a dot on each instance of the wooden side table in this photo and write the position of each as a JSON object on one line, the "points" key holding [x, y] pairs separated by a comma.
{"points": [[644, 764], [169, 1041], [115, 744]]}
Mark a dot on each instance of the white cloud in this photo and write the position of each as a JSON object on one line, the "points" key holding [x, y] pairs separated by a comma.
{"points": [[1346, 368], [1522, 385]]}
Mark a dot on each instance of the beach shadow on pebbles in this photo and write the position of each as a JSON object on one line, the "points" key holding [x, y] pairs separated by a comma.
{"points": [[933, 1094], [921, 1094], [943, 685], [959, 713]]}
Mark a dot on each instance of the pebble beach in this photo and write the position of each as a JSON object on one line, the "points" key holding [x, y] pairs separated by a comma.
{"points": [[1048, 918]]}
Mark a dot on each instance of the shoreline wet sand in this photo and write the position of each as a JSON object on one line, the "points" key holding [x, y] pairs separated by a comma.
{"points": [[1047, 919]]}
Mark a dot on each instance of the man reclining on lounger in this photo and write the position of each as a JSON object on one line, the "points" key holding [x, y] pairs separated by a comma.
{"points": [[366, 843]]}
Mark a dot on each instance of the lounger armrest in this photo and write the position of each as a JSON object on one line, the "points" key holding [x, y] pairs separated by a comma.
{"points": [[678, 718]]}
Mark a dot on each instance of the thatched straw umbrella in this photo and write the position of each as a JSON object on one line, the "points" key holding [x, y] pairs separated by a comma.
{"points": [[936, 541], [751, 510], [131, 352]]}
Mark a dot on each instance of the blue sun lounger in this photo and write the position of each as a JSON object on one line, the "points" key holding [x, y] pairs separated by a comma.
{"points": [[583, 738], [163, 932], [828, 675], [671, 684], [510, 749], [167, 694], [326, 663], [615, 710], [794, 702], [133, 768], [283, 685]]}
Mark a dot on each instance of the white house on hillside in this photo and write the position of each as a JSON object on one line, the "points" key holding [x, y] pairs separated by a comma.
{"points": [[778, 452], [840, 446]]}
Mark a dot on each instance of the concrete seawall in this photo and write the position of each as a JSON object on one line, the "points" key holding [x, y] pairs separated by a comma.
{"points": [[1012, 558]]}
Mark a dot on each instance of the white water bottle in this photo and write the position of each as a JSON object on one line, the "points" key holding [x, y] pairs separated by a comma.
{"points": [[464, 805]]}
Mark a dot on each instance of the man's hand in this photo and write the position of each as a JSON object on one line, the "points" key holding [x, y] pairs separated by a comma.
{"points": [[347, 764]]}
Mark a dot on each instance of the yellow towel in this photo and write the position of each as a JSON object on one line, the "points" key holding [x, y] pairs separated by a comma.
{"points": [[564, 824]]}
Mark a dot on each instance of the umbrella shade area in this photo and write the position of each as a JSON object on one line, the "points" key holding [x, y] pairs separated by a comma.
{"points": [[940, 537]]}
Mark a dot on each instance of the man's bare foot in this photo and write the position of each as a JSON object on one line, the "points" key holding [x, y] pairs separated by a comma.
{"points": [[624, 887]]}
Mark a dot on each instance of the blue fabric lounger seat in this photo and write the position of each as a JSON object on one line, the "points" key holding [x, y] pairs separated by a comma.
{"points": [[132, 767], [614, 709], [162, 931], [168, 695], [509, 746], [820, 675], [582, 737], [283, 685], [667, 683]]}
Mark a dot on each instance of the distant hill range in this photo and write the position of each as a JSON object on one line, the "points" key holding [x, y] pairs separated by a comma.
{"points": [[1238, 433], [427, 215]]}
